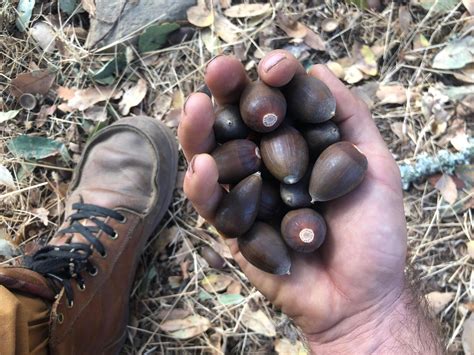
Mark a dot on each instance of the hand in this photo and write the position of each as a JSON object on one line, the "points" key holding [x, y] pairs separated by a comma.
{"points": [[357, 276]]}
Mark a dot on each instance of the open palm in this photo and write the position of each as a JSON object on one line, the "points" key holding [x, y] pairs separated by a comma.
{"points": [[360, 266]]}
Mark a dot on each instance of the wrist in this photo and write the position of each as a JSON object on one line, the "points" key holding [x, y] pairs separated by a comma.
{"points": [[396, 324]]}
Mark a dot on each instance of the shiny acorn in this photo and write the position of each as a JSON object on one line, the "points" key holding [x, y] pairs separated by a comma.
{"points": [[229, 125], [303, 230], [339, 169], [309, 99], [236, 160], [320, 136], [262, 107], [238, 209], [264, 248], [270, 206], [297, 195], [212, 257], [285, 154]]}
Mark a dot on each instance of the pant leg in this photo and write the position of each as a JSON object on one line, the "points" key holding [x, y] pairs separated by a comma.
{"points": [[24, 323]]}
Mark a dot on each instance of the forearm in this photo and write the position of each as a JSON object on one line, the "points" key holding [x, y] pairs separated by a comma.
{"points": [[402, 327]]}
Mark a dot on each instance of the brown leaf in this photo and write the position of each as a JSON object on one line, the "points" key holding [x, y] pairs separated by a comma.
{"points": [[397, 128], [314, 40], [466, 174], [439, 300], [466, 74], [329, 25], [469, 5], [225, 3], [35, 82], [247, 10], [66, 93], [404, 17], [234, 288], [258, 322], [460, 141], [166, 237], [133, 96], [96, 114], [336, 69], [285, 347], [226, 30], [42, 213], [171, 314], [89, 6], [392, 94], [292, 28], [467, 337], [447, 188], [470, 249], [44, 35], [83, 99], [172, 118], [186, 328], [177, 100], [200, 16], [216, 282]]}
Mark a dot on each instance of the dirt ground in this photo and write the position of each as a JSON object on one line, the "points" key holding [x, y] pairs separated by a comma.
{"points": [[422, 100]]}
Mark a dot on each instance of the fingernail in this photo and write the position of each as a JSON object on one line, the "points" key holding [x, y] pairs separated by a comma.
{"points": [[191, 165], [272, 61], [212, 59]]}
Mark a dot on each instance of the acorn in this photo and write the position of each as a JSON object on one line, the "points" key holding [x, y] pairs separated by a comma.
{"points": [[303, 230], [262, 107], [236, 160], [238, 209], [339, 169], [264, 248], [297, 195], [229, 125], [285, 154], [27, 101], [270, 206], [309, 99], [212, 257], [320, 136]]}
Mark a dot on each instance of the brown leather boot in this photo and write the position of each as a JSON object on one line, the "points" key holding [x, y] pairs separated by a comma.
{"points": [[120, 191]]}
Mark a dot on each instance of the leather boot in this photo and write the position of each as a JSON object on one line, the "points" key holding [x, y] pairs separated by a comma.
{"points": [[121, 189]]}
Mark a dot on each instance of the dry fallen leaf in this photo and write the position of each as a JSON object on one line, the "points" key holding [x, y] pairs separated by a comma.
{"points": [[456, 54], [404, 18], [460, 141], [44, 34], [285, 347], [96, 113], [186, 328], [439, 300], [226, 29], [6, 178], [35, 82], [467, 337], [314, 40], [366, 60], [175, 313], [466, 74], [329, 25], [392, 94], [258, 322], [89, 6], [235, 288], [133, 96], [83, 99], [225, 3], [291, 27], [469, 5], [336, 69], [247, 10], [200, 16], [447, 187], [216, 282], [470, 249], [42, 213], [211, 40], [353, 75]]}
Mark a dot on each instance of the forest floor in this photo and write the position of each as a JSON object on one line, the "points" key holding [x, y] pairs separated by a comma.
{"points": [[412, 63]]}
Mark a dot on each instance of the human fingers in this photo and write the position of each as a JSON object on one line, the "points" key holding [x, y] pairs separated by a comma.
{"points": [[278, 67]]}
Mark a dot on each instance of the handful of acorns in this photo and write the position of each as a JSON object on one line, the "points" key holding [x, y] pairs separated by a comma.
{"points": [[280, 154]]}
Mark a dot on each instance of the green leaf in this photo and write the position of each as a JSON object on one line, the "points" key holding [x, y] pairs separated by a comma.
{"points": [[5, 116], [107, 74], [203, 296], [68, 6], [32, 147], [25, 10], [438, 5], [361, 4], [230, 299], [455, 55], [155, 37]]}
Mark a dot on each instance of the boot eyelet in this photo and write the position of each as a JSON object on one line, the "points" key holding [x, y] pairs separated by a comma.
{"points": [[70, 304], [95, 272], [81, 287], [123, 220], [60, 318], [115, 236], [103, 255]]}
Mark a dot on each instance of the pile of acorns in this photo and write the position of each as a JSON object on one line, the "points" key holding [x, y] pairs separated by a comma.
{"points": [[280, 155]]}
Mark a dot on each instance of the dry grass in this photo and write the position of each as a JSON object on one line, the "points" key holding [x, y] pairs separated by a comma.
{"points": [[169, 276]]}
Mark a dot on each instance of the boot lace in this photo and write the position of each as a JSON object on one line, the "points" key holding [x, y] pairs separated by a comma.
{"points": [[61, 263]]}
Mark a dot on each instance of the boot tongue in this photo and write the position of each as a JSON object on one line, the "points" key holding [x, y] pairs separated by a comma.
{"points": [[26, 280]]}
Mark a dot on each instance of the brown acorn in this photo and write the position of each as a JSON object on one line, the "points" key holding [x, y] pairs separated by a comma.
{"points": [[238, 209], [262, 107], [236, 159], [297, 195], [212, 257], [320, 136], [339, 169], [303, 230], [270, 206], [264, 248], [309, 99], [285, 154], [229, 125]]}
